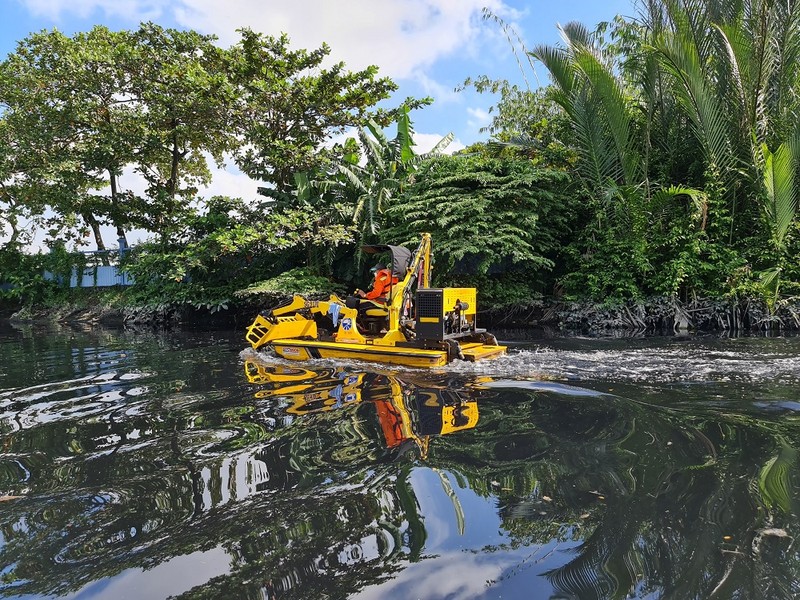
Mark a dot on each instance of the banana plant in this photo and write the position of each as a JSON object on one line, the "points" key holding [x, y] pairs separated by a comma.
{"points": [[373, 178]]}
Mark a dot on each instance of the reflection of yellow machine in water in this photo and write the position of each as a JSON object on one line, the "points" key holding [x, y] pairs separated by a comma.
{"points": [[418, 326], [406, 412]]}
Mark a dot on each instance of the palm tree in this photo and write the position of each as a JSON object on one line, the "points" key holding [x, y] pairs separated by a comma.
{"points": [[719, 75], [597, 104], [735, 72]]}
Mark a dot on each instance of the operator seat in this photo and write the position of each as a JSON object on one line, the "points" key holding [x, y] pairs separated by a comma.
{"points": [[373, 316]]}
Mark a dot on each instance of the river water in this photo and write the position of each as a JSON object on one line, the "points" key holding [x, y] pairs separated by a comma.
{"points": [[142, 465]]}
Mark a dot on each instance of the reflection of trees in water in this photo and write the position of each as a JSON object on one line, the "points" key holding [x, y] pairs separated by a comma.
{"points": [[665, 502], [319, 504], [115, 492], [271, 514]]}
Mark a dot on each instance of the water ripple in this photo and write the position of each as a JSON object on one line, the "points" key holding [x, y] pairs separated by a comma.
{"points": [[24, 408]]}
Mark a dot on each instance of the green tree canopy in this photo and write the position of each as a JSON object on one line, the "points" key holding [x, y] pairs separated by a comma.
{"points": [[289, 105], [484, 215]]}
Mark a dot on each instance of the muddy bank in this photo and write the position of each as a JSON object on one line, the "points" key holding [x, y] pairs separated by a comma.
{"points": [[163, 316], [658, 315]]}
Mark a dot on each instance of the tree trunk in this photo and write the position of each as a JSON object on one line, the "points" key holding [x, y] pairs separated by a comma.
{"points": [[98, 237], [112, 179]]}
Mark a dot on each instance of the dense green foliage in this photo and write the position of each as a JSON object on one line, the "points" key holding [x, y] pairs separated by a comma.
{"points": [[662, 160], [78, 112], [686, 133], [487, 216]]}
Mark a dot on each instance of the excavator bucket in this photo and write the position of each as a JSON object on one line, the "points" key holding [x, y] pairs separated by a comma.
{"points": [[263, 331]]}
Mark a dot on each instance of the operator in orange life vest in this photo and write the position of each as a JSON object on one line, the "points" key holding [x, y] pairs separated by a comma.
{"points": [[381, 286]]}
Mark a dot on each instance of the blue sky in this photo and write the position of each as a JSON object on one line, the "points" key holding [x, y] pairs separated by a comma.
{"points": [[428, 47]]}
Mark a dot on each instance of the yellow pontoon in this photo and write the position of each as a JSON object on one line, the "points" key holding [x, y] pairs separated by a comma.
{"points": [[419, 326]]}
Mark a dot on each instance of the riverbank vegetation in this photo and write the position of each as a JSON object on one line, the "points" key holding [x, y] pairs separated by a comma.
{"points": [[660, 162]]}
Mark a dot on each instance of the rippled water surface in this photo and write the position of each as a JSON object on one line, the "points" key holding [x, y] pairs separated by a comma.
{"points": [[140, 465]]}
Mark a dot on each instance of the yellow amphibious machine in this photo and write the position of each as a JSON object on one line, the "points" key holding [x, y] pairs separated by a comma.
{"points": [[419, 326]]}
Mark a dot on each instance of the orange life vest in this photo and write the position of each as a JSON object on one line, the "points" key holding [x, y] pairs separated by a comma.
{"points": [[381, 286]]}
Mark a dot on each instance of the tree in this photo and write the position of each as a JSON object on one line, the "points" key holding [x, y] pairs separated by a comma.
{"points": [[14, 210], [387, 167], [735, 74], [641, 97], [289, 106], [486, 216], [85, 108], [182, 83], [41, 125]]}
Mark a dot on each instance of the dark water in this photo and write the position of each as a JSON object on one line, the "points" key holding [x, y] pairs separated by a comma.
{"points": [[181, 465]]}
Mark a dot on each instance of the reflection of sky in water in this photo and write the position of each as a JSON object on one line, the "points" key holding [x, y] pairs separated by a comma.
{"points": [[456, 565], [167, 579], [470, 575], [480, 519]]}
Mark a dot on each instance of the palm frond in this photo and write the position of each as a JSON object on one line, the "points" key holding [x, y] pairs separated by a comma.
{"points": [[698, 198], [575, 34], [781, 202], [561, 68], [786, 42], [599, 164], [608, 91], [706, 110]]}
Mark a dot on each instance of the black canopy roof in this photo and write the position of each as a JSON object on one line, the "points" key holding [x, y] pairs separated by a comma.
{"points": [[401, 257]]}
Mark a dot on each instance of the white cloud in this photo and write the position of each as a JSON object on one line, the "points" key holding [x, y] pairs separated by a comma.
{"points": [[402, 37], [478, 117], [442, 93], [426, 141]]}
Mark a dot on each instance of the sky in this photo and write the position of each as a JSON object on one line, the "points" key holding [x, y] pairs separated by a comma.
{"points": [[428, 47]]}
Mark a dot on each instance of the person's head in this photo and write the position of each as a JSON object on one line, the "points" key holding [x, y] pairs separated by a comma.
{"points": [[378, 267]]}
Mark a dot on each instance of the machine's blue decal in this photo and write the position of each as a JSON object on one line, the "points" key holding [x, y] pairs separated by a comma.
{"points": [[347, 324]]}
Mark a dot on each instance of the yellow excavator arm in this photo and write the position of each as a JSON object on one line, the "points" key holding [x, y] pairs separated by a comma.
{"points": [[419, 273], [282, 322]]}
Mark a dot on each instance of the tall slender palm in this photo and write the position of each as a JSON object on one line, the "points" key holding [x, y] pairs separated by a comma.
{"points": [[728, 70], [735, 71]]}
